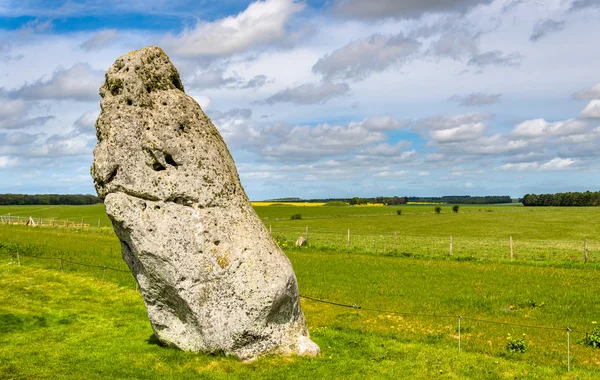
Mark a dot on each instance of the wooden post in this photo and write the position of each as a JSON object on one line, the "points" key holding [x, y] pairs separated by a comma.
{"points": [[9, 218], [67, 225], [18, 259], [306, 234], [511, 249], [98, 224], [52, 221], [348, 238], [40, 222], [585, 250], [82, 224], [270, 229], [395, 240], [450, 245]]}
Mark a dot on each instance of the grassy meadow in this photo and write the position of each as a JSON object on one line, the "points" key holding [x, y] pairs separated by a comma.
{"points": [[87, 322]]}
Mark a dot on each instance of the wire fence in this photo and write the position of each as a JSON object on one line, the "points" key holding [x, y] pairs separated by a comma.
{"points": [[395, 243], [390, 243], [357, 308], [50, 222]]}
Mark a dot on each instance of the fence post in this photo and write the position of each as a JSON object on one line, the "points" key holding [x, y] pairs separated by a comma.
{"points": [[82, 224], [511, 249], [103, 272], [9, 218], [568, 349], [450, 245], [270, 229], [306, 234], [459, 318], [40, 221], [18, 259], [52, 221], [395, 240], [348, 238], [61, 265], [585, 250], [98, 224], [67, 225], [356, 307]]}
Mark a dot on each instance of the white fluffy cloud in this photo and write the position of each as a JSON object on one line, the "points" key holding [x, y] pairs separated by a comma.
{"points": [[377, 9], [287, 143], [475, 99], [590, 93], [310, 93], [360, 58], [496, 58], [463, 132], [219, 79], [99, 40], [7, 162], [592, 110], [545, 27], [261, 23], [80, 82], [86, 123], [555, 164], [542, 128]]}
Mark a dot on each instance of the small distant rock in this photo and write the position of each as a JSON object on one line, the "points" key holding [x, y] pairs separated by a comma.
{"points": [[300, 242]]}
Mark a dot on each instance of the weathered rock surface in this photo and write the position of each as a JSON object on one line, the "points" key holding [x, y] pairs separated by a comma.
{"points": [[300, 242], [211, 276]]}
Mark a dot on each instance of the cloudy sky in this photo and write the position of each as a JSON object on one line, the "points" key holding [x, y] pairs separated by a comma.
{"points": [[323, 98]]}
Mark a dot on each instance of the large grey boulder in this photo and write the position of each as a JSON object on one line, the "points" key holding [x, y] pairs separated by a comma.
{"points": [[211, 276]]}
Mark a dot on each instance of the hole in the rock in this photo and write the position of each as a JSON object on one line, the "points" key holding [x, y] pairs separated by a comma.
{"points": [[147, 128], [164, 103], [182, 127], [217, 242], [149, 89], [129, 102], [169, 159], [157, 207], [157, 166], [112, 174], [176, 82]]}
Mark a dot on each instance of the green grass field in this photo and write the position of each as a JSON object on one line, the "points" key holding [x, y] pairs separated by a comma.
{"points": [[87, 322], [478, 231]]}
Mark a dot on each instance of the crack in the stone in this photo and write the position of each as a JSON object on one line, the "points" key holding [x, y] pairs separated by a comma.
{"points": [[177, 199]]}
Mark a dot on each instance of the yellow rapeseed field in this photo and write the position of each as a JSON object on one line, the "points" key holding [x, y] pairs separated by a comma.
{"points": [[299, 204]]}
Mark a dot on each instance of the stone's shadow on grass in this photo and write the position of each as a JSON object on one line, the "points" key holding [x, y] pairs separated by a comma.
{"points": [[153, 340]]}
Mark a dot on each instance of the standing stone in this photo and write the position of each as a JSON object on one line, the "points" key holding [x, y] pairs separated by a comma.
{"points": [[300, 242], [211, 276]]}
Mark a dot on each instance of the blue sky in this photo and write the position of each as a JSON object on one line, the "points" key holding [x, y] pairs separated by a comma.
{"points": [[316, 99]]}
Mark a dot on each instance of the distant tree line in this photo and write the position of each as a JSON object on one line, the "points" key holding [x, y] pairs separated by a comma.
{"points": [[49, 199], [396, 200], [588, 198], [464, 199], [390, 201]]}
